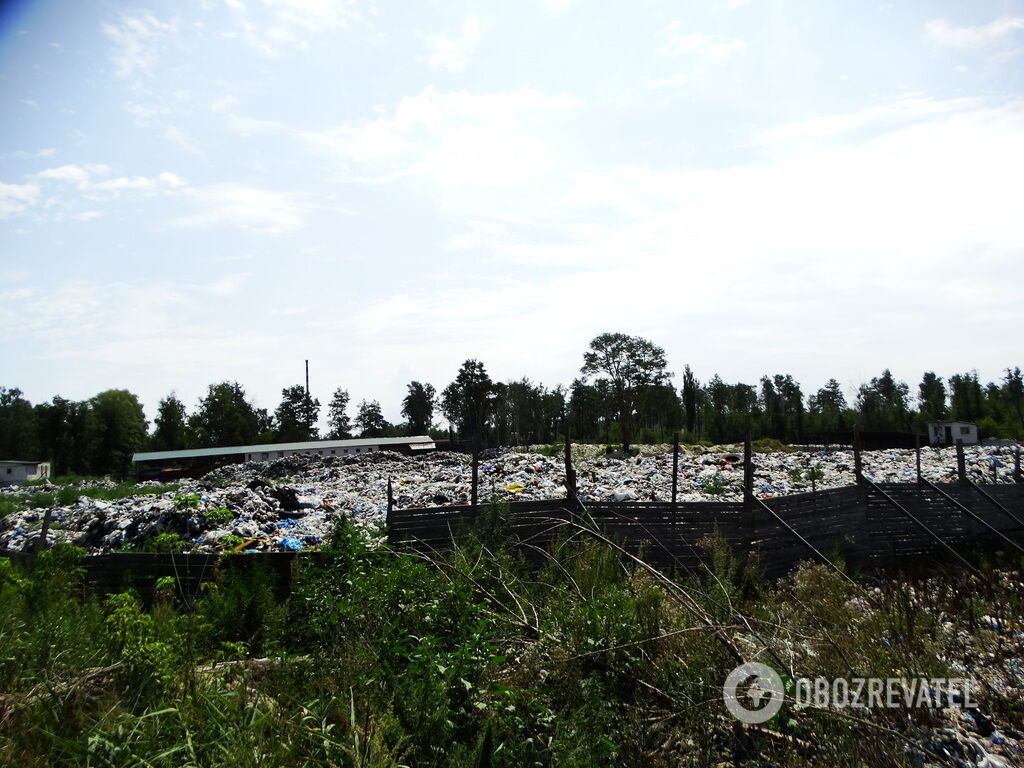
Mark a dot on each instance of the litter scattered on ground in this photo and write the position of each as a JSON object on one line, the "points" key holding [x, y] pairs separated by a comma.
{"points": [[293, 503]]}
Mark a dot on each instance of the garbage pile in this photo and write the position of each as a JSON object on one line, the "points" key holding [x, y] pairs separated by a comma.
{"points": [[293, 503]]}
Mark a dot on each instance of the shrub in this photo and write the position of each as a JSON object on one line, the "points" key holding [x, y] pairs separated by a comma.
{"points": [[186, 501], [716, 486], [219, 516], [167, 542]]}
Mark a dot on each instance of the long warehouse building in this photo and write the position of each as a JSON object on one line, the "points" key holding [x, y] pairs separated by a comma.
{"points": [[199, 457]]}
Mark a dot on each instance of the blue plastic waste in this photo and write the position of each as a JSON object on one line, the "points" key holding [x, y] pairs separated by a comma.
{"points": [[292, 545]]}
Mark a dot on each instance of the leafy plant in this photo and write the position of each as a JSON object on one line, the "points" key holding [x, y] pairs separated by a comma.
{"points": [[186, 501], [219, 516], [167, 542], [230, 541], [717, 485]]}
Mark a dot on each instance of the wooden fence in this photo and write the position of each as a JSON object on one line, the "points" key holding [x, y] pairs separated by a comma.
{"points": [[870, 525]]}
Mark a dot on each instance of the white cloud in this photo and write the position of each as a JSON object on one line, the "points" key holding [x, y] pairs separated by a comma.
{"points": [[21, 153], [87, 178], [143, 184], [229, 285], [30, 103], [467, 139], [886, 114], [453, 139], [454, 54], [137, 40], [153, 331], [17, 198], [88, 215], [241, 206], [888, 210], [699, 53], [314, 15], [183, 140], [944, 33], [75, 174], [699, 45], [555, 6], [279, 24]]}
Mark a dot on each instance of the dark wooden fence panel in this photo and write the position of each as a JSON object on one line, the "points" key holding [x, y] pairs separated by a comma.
{"points": [[867, 525], [863, 526]]}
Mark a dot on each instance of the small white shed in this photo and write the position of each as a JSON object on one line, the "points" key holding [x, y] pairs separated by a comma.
{"points": [[14, 472], [941, 433]]}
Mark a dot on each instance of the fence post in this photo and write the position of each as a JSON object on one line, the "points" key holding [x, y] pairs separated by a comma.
{"points": [[810, 474], [858, 467], [961, 464], [748, 491], [1016, 465], [917, 452], [675, 471], [570, 472], [41, 542], [475, 464], [391, 498]]}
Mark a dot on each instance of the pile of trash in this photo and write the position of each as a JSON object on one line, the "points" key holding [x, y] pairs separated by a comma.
{"points": [[293, 503]]}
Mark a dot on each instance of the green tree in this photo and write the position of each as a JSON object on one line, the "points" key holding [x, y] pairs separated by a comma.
{"points": [[418, 407], [631, 365], [828, 408], [728, 408], [225, 417], [966, 397], [586, 411], [1013, 387], [370, 420], [467, 401], [690, 394], [119, 426], [883, 403], [337, 418], [19, 433], [171, 432], [296, 415], [931, 396]]}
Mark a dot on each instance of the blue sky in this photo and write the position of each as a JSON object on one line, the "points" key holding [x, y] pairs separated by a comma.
{"points": [[220, 189]]}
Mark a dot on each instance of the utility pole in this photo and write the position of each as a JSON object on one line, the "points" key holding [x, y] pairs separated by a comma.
{"points": [[307, 378]]}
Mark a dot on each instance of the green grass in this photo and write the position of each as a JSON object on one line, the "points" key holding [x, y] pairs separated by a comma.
{"points": [[466, 659]]}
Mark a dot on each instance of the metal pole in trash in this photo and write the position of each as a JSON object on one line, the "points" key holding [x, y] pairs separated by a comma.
{"points": [[391, 498], [675, 471], [748, 490], [917, 452], [1016, 465], [570, 473], [858, 467], [43, 534], [475, 465], [961, 464]]}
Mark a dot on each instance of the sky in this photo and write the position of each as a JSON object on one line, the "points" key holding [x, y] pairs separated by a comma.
{"points": [[214, 190]]}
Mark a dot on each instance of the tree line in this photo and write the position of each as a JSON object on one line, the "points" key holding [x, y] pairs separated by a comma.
{"points": [[623, 395]]}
